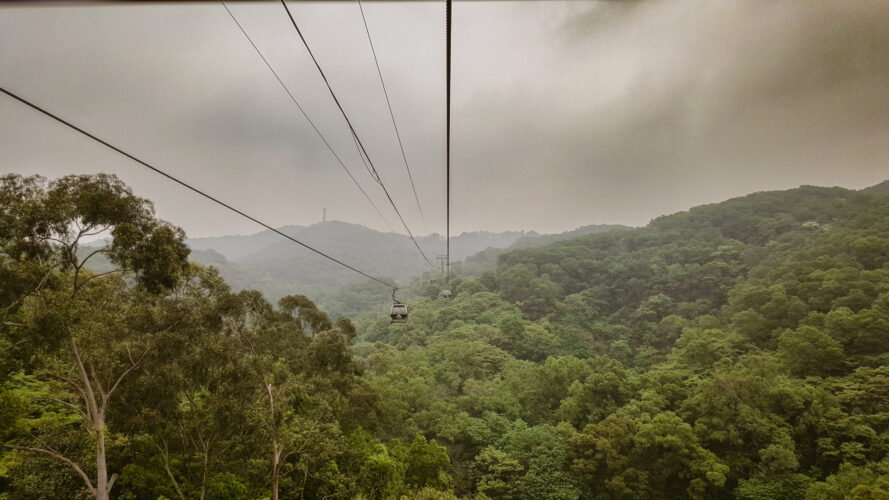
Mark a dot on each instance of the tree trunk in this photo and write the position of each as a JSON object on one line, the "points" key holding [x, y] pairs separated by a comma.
{"points": [[164, 453], [103, 489], [204, 476], [276, 456], [95, 417]]}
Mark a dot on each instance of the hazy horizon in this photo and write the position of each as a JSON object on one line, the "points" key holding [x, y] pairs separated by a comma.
{"points": [[260, 229]]}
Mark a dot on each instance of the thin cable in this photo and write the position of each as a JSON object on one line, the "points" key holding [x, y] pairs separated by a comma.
{"points": [[392, 115], [352, 129], [184, 184], [301, 110], [371, 172], [394, 125], [448, 134]]}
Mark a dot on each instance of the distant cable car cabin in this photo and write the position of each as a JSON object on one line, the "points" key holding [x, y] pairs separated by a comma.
{"points": [[447, 294], [398, 313]]}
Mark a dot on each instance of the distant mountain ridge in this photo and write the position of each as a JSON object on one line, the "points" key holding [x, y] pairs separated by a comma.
{"points": [[234, 247], [487, 259], [264, 261], [239, 247]]}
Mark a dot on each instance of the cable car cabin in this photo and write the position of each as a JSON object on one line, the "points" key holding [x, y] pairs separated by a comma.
{"points": [[447, 294], [398, 313]]}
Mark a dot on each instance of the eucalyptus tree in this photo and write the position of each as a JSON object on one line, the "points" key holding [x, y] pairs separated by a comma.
{"points": [[90, 331], [186, 415], [303, 387]]}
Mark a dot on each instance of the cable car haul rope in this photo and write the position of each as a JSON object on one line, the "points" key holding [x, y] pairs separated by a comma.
{"points": [[399, 311], [363, 150], [189, 186]]}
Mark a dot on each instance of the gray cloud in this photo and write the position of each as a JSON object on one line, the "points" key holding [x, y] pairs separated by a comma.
{"points": [[565, 113]]}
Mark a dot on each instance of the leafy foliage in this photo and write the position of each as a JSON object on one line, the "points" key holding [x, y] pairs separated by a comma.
{"points": [[737, 350], [724, 352]]}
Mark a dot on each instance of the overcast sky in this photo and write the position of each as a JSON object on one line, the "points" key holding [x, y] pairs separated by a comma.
{"points": [[564, 114]]}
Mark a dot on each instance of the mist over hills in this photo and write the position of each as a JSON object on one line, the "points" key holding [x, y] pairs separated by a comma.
{"points": [[276, 267], [264, 261], [247, 247]]}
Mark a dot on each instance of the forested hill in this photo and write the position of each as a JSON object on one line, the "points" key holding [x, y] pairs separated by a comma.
{"points": [[737, 350], [690, 256], [881, 188], [276, 267], [236, 246]]}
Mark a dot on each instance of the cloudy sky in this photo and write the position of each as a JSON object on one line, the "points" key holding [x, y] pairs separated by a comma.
{"points": [[564, 113]]}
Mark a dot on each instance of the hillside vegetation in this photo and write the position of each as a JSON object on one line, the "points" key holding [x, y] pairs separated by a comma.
{"points": [[737, 350], [881, 188], [734, 351]]}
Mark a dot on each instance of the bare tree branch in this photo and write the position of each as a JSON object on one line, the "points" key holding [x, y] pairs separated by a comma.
{"points": [[13, 345], [63, 243], [303, 446], [100, 231], [91, 254], [166, 456], [79, 265], [314, 424], [126, 372], [88, 394], [78, 286], [99, 386], [58, 456], [111, 482], [77, 387], [33, 292], [66, 403]]}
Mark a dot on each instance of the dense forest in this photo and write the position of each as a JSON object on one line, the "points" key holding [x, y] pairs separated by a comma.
{"points": [[734, 351]]}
